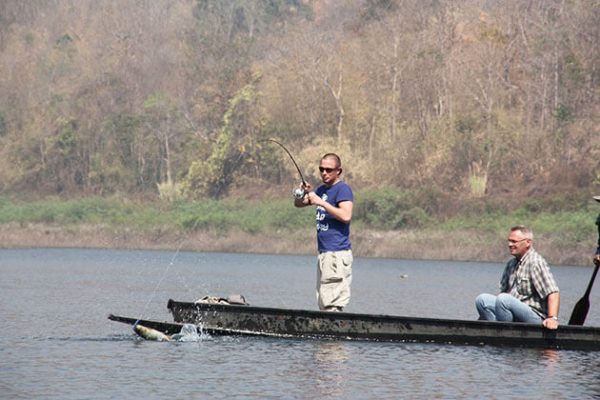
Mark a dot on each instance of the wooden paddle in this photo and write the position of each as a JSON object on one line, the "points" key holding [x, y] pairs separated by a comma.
{"points": [[583, 305]]}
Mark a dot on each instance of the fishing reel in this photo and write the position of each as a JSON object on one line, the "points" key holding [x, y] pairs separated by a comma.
{"points": [[299, 193]]}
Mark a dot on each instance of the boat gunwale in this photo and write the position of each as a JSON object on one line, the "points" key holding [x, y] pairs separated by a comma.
{"points": [[378, 318]]}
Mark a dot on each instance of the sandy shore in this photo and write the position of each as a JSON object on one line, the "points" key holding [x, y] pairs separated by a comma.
{"points": [[420, 245]]}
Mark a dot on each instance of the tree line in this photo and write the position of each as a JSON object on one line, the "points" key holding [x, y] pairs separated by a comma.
{"points": [[474, 98]]}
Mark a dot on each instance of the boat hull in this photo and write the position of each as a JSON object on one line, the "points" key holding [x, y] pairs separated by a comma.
{"points": [[234, 319]]}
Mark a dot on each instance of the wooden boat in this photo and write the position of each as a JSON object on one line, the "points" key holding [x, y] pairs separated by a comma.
{"points": [[223, 319]]}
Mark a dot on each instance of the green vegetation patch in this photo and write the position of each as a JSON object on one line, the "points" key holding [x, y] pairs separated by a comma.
{"points": [[376, 209], [249, 216], [92, 210]]}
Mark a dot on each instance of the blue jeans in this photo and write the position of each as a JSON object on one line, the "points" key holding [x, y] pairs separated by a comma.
{"points": [[505, 307]]}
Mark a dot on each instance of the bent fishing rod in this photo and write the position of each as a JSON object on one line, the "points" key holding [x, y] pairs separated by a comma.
{"points": [[298, 192]]}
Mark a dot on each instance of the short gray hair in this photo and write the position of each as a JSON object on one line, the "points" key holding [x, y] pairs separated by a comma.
{"points": [[528, 233]]}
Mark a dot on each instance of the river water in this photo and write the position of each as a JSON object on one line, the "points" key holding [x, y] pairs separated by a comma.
{"points": [[57, 343]]}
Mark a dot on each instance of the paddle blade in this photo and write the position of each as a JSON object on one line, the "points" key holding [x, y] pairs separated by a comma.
{"points": [[580, 311]]}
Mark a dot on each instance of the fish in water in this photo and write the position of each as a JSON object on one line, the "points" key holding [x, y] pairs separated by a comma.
{"points": [[151, 334]]}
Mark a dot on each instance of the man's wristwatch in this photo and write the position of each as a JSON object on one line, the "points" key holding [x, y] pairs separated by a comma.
{"points": [[552, 317]]}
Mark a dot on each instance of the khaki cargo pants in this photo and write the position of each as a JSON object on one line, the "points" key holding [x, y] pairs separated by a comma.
{"points": [[334, 276]]}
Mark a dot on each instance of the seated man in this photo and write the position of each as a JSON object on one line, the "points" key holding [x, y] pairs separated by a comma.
{"points": [[528, 292]]}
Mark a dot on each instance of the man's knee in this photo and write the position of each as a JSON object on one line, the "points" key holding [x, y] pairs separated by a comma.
{"points": [[479, 301], [484, 300], [504, 298]]}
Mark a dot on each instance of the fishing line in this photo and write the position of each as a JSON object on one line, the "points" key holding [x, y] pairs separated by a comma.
{"points": [[172, 262], [164, 275], [160, 281], [298, 192], [168, 268]]}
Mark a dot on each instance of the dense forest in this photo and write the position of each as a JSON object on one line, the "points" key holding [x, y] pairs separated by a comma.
{"points": [[174, 98]]}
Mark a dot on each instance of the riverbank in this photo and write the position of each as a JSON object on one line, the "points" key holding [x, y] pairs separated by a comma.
{"points": [[459, 245]]}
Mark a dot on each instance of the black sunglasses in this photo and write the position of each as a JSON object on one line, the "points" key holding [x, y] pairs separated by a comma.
{"points": [[328, 170]]}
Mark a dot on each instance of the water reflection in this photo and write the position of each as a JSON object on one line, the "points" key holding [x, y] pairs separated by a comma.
{"points": [[331, 372], [550, 356], [331, 352]]}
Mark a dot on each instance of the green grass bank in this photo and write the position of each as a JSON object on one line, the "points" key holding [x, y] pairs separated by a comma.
{"points": [[386, 223]]}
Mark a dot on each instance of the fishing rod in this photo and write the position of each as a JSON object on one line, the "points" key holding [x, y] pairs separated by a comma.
{"points": [[298, 192]]}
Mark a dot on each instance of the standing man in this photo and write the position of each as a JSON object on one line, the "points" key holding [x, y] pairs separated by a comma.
{"points": [[528, 290], [333, 201], [597, 256]]}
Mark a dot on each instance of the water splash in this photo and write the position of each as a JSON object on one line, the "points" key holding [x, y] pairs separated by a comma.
{"points": [[188, 333]]}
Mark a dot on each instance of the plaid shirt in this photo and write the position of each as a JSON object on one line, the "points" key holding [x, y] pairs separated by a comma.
{"points": [[529, 280]]}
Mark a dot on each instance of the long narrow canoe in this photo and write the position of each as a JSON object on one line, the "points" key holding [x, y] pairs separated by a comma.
{"points": [[250, 320]]}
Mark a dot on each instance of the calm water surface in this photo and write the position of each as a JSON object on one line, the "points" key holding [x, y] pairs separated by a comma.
{"points": [[56, 342]]}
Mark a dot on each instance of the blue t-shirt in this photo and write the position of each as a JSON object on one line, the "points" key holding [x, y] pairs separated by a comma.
{"points": [[333, 235]]}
